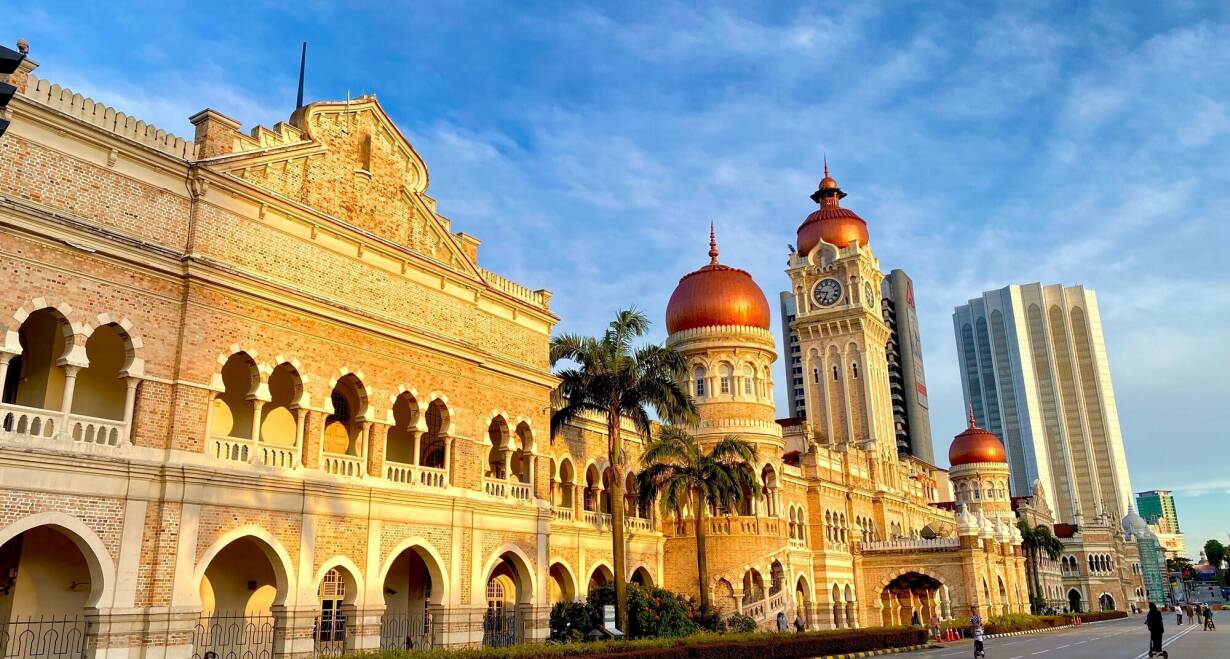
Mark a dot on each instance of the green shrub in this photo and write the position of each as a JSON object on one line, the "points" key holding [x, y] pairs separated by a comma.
{"points": [[652, 613], [699, 646], [740, 624]]}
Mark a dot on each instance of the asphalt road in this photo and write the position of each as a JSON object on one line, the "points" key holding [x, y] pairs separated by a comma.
{"points": [[1115, 639]]}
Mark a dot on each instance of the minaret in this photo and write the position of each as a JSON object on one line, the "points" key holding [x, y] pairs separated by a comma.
{"points": [[835, 279]]}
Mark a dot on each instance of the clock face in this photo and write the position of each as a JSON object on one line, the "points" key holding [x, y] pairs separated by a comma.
{"points": [[827, 292], [869, 294]]}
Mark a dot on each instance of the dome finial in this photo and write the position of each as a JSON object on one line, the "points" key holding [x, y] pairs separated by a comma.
{"points": [[826, 165], [713, 252], [972, 423]]}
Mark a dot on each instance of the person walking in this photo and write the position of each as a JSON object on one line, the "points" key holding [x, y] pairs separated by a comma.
{"points": [[975, 623], [935, 626], [1154, 622], [915, 620], [1178, 613], [781, 622], [1191, 611], [798, 623]]}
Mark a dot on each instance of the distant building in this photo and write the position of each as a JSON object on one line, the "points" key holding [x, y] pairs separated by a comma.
{"points": [[1034, 370], [1158, 509], [793, 363], [906, 381]]}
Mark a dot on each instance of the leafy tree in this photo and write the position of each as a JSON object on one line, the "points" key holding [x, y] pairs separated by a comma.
{"points": [[616, 380], [1037, 540], [680, 474], [1215, 552]]}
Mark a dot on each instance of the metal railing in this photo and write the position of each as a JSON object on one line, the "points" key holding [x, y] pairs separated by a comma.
{"points": [[501, 629], [404, 631], [329, 635], [234, 636], [44, 637]]}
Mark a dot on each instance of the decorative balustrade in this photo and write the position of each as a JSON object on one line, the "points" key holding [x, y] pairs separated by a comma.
{"points": [[563, 514], [755, 610], [505, 489], [496, 487], [342, 465], [21, 422], [777, 602], [796, 543], [272, 455], [741, 525], [415, 475], [232, 449], [638, 524], [596, 519], [911, 544], [519, 491]]}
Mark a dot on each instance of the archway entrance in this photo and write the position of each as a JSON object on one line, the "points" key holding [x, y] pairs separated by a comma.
{"points": [[1074, 600], [909, 594], [507, 590], [802, 602], [601, 576], [47, 584], [562, 589], [1106, 602], [642, 578], [409, 593], [241, 584], [336, 592]]}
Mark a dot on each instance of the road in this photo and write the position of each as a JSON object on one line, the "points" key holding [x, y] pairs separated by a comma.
{"points": [[1115, 639]]}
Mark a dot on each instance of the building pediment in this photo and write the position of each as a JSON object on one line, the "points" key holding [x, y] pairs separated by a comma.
{"points": [[345, 159]]}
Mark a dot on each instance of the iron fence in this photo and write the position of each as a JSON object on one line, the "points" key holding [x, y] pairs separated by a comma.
{"points": [[44, 637], [403, 631], [223, 636], [329, 635], [501, 629]]}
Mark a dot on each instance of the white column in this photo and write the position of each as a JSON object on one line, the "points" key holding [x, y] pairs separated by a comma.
{"points": [[4, 367], [70, 384], [257, 404], [130, 401]]}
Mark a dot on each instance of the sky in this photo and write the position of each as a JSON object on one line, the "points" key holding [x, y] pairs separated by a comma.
{"points": [[589, 145]]}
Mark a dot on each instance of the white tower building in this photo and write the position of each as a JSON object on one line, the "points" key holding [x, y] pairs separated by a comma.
{"points": [[1034, 369]]}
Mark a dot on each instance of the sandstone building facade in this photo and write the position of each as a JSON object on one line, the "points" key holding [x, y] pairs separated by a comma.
{"points": [[259, 397]]}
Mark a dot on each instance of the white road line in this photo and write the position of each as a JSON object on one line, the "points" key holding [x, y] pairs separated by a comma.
{"points": [[1063, 646], [1168, 641], [1041, 652]]}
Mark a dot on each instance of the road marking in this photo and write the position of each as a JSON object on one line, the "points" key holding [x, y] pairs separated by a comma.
{"points": [[1168, 641], [1063, 646], [1041, 652]]}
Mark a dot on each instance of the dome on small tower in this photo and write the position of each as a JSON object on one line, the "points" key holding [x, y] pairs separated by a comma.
{"points": [[975, 445], [831, 223], [716, 294]]}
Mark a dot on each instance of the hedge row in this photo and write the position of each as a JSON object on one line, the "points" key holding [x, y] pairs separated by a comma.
{"points": [[700, 646], [1020, 622]]}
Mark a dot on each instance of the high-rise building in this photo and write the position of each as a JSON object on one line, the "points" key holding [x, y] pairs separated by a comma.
{"points": [[796, 397], [1156, 505], [1158, 509], [1034, 370], [906, 381]]}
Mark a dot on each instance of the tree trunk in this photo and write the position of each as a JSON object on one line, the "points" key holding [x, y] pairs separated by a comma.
{"points": [[617, 518], [1031, 570], [1038, 573], [702, 559]]}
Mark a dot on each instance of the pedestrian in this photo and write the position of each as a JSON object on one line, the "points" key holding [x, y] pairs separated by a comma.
{"points": [[1178, 612], [975, 623], [935, 626], [798, 623], [915, 620], [1154, 622], [1191, 619], [1208, 619], [781, 622]]}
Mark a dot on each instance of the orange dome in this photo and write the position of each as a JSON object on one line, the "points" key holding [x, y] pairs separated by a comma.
{"points": [[975, 445], [831, 223], [716, 295]]}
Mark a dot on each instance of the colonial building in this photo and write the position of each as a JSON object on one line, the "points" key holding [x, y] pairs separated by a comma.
{"points": [[259, 397]]}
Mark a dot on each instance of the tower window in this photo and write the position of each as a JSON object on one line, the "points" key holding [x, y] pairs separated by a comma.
{"points": [[699, 374], [836, 373], [724, 384], [854, 369], [815, 375]]}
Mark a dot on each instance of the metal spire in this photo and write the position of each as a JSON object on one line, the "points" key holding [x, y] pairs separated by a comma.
{"points": [[713, 251], [302, 68]]}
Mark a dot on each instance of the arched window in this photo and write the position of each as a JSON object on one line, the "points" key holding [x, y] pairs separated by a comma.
{"points": [[854, 369], [699, 376], [725, 372], [749, 377], [836, 373]]}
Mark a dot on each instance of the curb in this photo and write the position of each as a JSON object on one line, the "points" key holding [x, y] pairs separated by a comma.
{"points": [[874, 653], [1049, 629]]}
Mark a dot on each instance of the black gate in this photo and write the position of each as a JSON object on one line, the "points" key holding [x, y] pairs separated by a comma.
{"points": [[401, 631], [329, 634], [225, 636], [44, 637], [501, 629]]}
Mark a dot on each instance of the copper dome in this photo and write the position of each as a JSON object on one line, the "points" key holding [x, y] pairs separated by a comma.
{"points": [[831, 223], [975, 445], [716, 294]]}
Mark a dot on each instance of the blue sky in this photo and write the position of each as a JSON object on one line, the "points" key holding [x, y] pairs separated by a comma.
{"points": [[589, 146]]}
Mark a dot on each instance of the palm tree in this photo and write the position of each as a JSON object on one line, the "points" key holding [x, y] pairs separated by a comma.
{"points": [[1037, 540], [681, 474], [615, 380]]}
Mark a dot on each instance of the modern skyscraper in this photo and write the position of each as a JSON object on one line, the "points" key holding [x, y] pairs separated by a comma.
{"points": [[906, 381], [1035, 372], [796, 397], [1158, 509], [1156, 505]]}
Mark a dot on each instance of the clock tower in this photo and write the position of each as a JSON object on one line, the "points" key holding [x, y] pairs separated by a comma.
{"points": [[835, 279]]}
